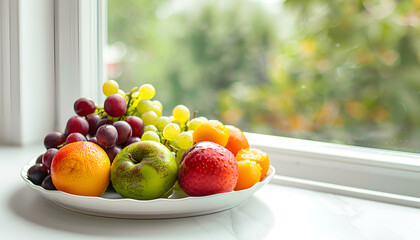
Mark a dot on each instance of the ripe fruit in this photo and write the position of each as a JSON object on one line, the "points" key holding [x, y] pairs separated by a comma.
{"points": [[77, 124], [124, 131], [48, 157], [144, 170], [213, 131], [93, 121], [184, 140], [181, 113], [257, 156], [147, 91], [37, 173], [207, 168], [137, 125], [237, 140], [249, 174], [48, 184], [81, 168], [54, 139], [84, 106], [75, 137], [107, 136], [171, 131], [110, 87], [115, 105]]}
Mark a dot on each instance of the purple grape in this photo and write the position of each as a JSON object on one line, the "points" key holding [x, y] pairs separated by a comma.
{"points": [[124, 131], [93, 121], [77, 124], [48, 157], [115, 105], [48, 184], [107, 136], [39, 159], [104, 116], [102, 122], [132, 140], [54, 139], [113, 152], [84, 106], [93, 140], [75, 137], [137, 125], [37, 173]]}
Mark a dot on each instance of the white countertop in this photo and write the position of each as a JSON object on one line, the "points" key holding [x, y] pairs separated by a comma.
{"points": [[274, 212]]}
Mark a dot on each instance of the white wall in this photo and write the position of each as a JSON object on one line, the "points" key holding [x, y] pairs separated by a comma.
{"points": [[27, 105], [36, 34]]}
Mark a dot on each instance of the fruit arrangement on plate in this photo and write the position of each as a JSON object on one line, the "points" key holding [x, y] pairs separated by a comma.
{"points": [[128, 145]]}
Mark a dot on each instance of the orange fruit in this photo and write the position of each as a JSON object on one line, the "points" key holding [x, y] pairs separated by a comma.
{"points": [[213, 131], [237, 140], [257, 156], [81, 168], [249, 174]]}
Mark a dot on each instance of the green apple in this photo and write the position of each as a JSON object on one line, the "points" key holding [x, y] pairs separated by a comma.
{"points": [[144, 170]]}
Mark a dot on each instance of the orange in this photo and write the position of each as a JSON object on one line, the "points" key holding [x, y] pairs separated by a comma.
{"points": [[237, 140], [249, 174], [257, 156], [81, 168], [213, 131]]}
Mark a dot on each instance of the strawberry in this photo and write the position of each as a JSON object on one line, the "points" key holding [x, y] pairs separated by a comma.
{"points": [[207, 168]]}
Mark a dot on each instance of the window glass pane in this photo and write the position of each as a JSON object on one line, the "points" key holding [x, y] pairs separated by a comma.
{"points": [[336, 71]]}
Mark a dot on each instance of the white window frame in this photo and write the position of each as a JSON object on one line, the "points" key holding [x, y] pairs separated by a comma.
{"points": [[380, 175]]}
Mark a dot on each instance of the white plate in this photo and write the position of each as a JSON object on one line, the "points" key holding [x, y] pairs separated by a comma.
{"points": [[111, 204]]}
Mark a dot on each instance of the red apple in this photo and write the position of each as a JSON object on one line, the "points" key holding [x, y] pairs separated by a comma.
{"points": [[207, 168]]}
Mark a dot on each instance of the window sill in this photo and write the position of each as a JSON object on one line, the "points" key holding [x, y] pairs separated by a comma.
{"points": [[274, 212], [375, 174]]}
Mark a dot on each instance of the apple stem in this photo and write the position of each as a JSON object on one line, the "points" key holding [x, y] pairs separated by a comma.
{"points": [[131, 158]]}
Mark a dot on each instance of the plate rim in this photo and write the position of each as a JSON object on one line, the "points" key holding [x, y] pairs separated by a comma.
{"points": [[56, 197]]}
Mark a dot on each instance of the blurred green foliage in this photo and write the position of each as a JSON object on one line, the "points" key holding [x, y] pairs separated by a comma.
{"points": [[337, 71]]}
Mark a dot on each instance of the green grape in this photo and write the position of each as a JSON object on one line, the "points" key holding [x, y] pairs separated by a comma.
{"points": [[162, 122], [178, 156], [185, 140], [110, 87], [171, 131], [157, 110], [151, 136], [122, 93], [147, 91], [157, 103], [193, 124], [181, 113], [150, 128], [149, 118], [144, 106], [203, 118]]}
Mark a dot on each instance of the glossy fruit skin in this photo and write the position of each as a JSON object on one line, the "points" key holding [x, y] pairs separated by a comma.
{"points": [[81, 168], [48, 184], [137, 125], [207, 168], [48, 157], [257, 156], [144, 170], [54, 139], [75, 137], [249, 174], [84, 106], [115, 105], [77, 124], [37, 173], [213, 131], [237, 140]]}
